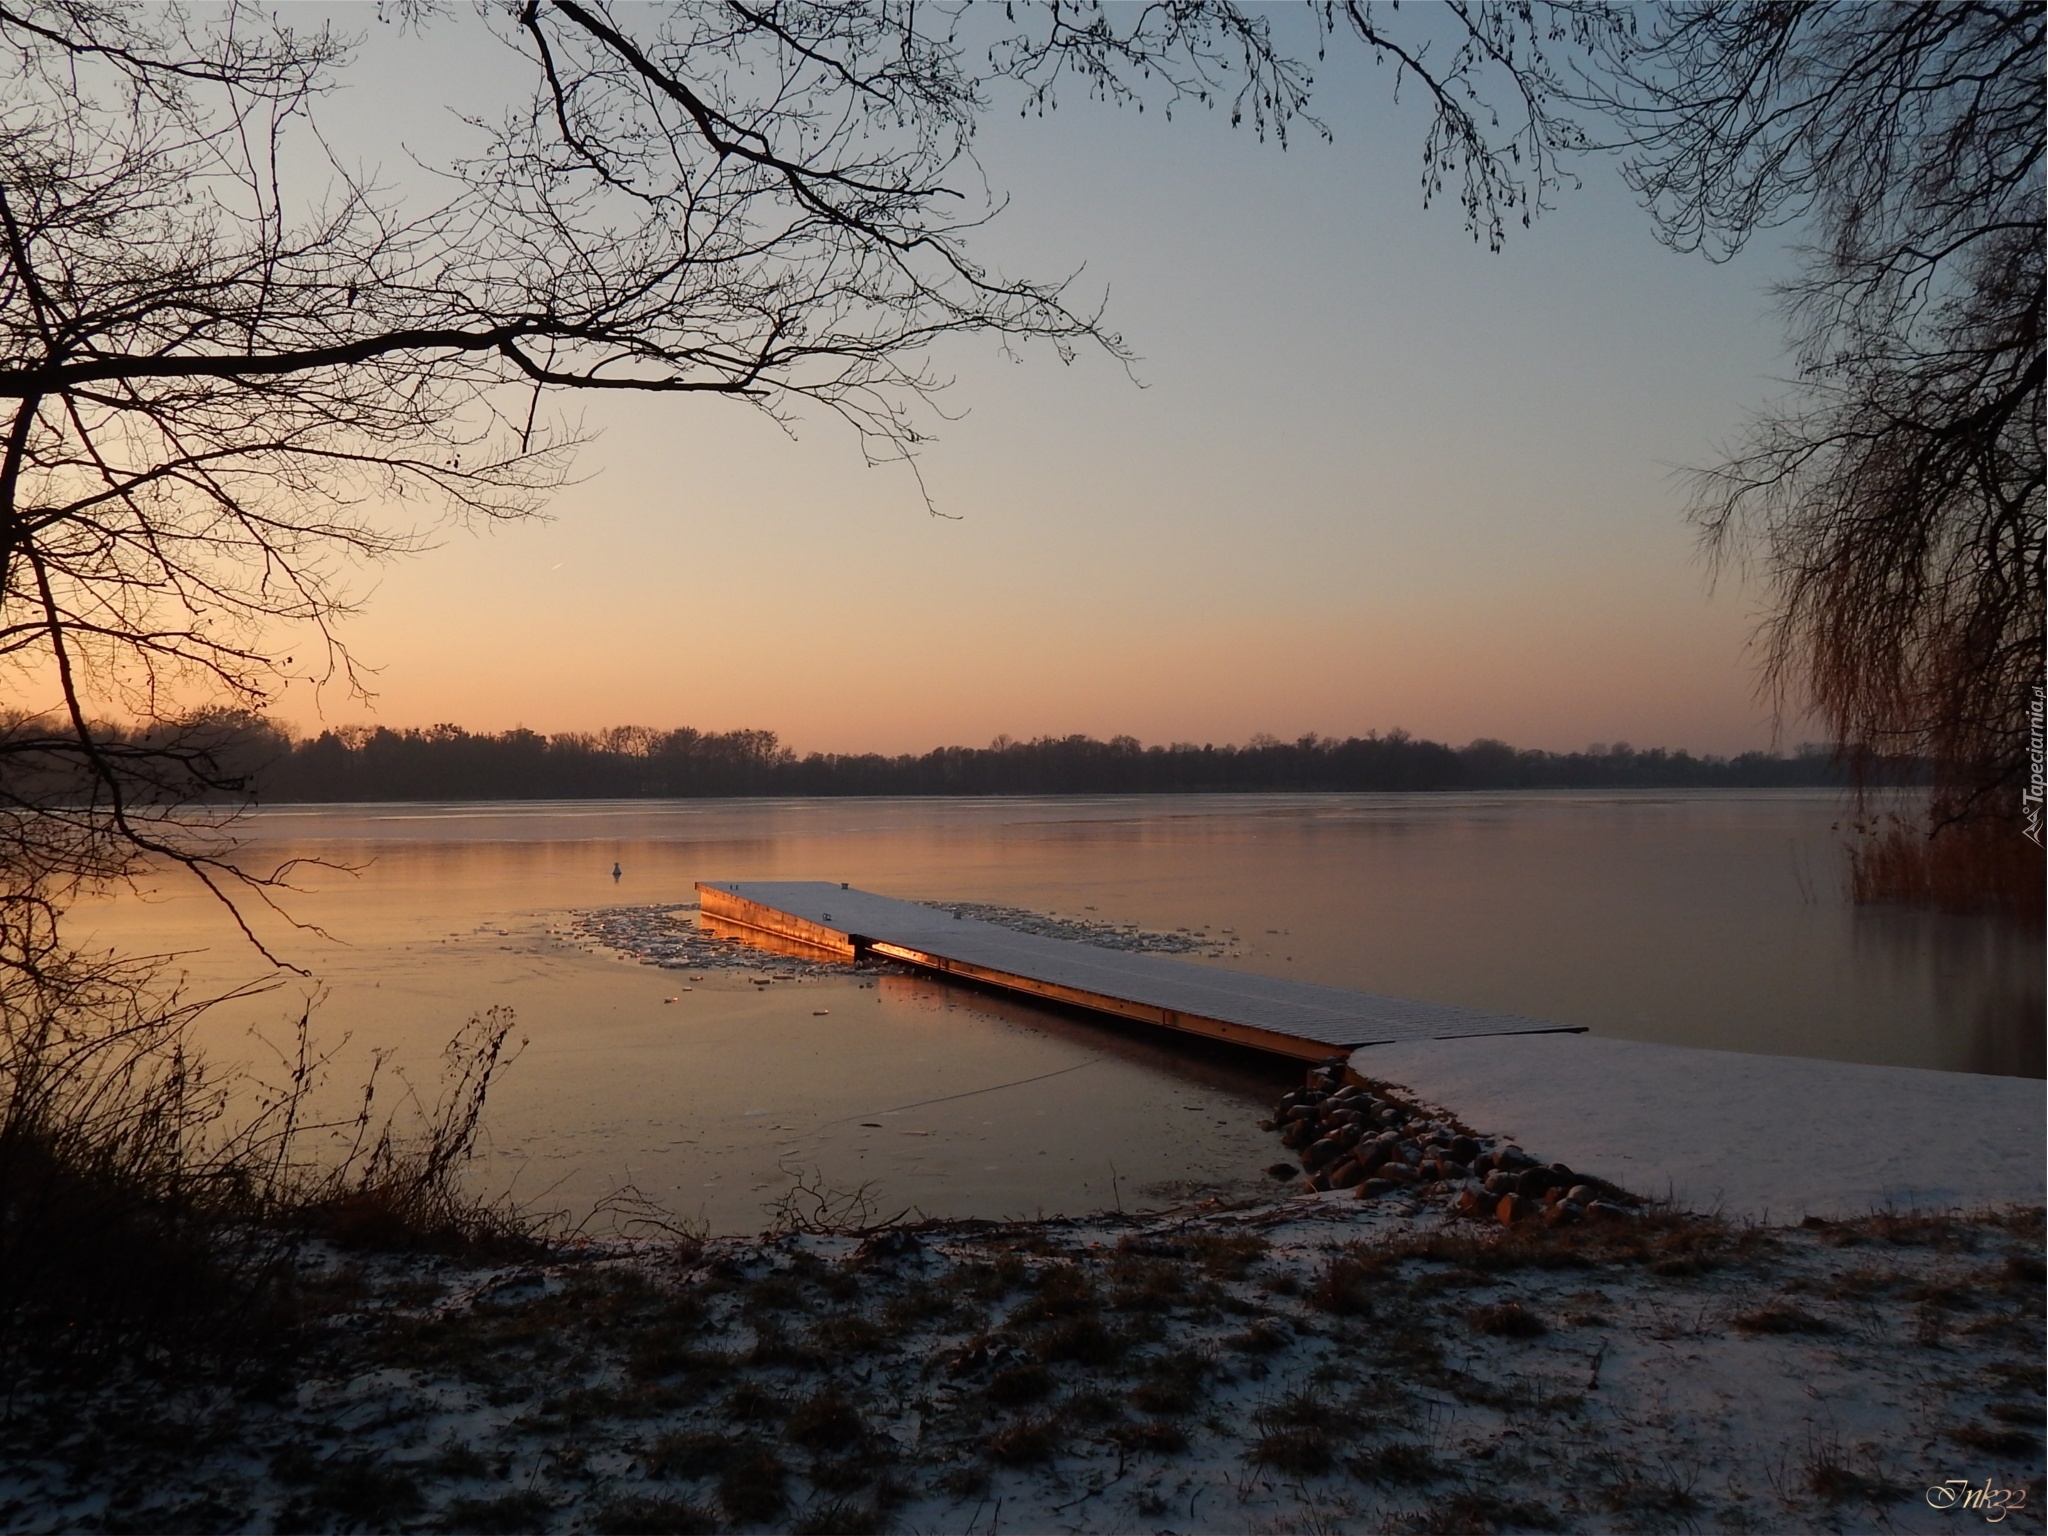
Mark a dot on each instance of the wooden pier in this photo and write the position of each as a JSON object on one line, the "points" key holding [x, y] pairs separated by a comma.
{"points": [[1267, 1013]]}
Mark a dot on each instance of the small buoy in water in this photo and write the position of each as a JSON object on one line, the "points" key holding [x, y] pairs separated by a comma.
{"points": [[819, 1013], [616, 871], [670, 999]]}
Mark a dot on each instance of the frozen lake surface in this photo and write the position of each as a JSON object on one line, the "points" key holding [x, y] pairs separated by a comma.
{"points": [[1708, 919]]}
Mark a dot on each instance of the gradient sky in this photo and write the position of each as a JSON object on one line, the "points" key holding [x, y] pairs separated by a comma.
{"points": [[1376, 476]]}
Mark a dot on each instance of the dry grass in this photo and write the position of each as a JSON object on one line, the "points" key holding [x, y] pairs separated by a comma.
{"points": [[642, 1516], [1781, 1317], [1509, 1320], [1977, 866], [753, 1486], [142, 1217], [1026, 1442]]}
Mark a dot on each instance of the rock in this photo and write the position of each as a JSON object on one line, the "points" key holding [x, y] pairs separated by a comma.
{"points": [[1581, 1195], [1562, 1174], [1397, 1172], [1512, 1156], [1561, 1214], [1281, 1171], [1318, 1183], [1320, 1152], [1464, 1148], [1469, 1201], [1607, 1210], [1510, 1209], [1298, 1135], [1532, 1182], [1500, 1182], [1346, 1174], [1372, 1189]]}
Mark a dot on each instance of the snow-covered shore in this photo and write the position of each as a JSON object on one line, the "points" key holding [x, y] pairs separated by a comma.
{"points": [[1318, 1363]]}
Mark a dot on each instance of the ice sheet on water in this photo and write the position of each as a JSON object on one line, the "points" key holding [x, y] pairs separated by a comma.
{"points": [[667, 935]]}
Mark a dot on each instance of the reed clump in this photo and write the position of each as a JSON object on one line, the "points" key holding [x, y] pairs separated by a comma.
{"points": [[1982, 865], [150, 1208]]}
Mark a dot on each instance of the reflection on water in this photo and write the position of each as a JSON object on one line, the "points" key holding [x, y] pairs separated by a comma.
{"points": [[1986, 974], [1708, 919]]}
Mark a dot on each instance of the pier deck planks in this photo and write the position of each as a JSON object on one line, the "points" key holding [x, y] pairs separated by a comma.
{"points": [[1291, 1017]]}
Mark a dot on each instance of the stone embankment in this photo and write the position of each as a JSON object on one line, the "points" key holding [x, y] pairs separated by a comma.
{"points": [[1350, 1137]]}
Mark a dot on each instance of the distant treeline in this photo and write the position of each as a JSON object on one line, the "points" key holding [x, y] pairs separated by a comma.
{"points": [[448, 763]]}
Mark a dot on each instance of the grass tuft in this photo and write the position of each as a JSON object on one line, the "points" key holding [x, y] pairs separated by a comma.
{"points": [[691, 1453], [2008, 1441], [752, 1487], [1508, 1320], [837, 1517], [1300, 1450], [643, 1516], [1083, 1340], [1025, 1442], [1342, 1287], [826, 1421], [1782, 1317], [1157, 1437], [1401, 1462], [509, 1514], [1020, 1384], [1470, 1511]]}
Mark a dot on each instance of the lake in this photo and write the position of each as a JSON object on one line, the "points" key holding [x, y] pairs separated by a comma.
{"points": [[1712, 919]]}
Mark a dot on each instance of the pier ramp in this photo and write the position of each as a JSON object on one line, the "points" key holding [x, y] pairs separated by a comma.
{"points": [[1267, 1013]]}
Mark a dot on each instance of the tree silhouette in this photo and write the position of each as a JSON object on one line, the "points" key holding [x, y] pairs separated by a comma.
{"points": [[1894, 504]]}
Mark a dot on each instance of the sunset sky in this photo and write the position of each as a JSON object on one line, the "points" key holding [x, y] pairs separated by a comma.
{"points": [[1375, 476]]}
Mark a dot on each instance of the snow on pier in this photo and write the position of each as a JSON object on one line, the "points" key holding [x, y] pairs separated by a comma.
{"points": [[1290, 1017]]}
